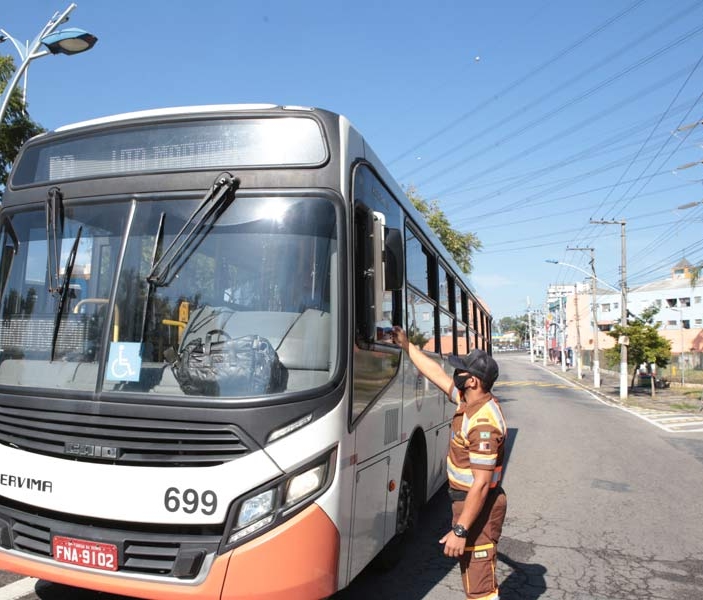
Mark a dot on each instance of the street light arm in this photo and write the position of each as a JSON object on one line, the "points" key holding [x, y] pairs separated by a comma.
{"points": [[20, 49], [605, 283], [689, 205]]}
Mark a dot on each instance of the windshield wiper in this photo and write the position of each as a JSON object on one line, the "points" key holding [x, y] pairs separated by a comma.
{"points": [[213, 204], [156, 251], [63, 290], [6, 264], [54, 225]]}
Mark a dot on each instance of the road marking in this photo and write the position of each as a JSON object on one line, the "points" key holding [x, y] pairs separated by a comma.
{"points": [[18, 589], [530, 383], [673, 423]]}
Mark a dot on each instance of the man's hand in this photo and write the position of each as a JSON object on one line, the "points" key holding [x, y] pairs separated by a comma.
{"points": [[454, 546], [400, 337]]}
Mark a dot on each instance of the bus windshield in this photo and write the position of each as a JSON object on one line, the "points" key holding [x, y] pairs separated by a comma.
{"points": [[261, 275]]}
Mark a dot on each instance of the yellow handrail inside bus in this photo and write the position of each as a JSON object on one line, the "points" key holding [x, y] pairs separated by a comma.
{"points": [[183, 316], [180, 324], [116, 325]]}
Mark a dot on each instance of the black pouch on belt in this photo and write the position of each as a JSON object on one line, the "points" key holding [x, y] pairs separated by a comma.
{"points": [[457, 495]]}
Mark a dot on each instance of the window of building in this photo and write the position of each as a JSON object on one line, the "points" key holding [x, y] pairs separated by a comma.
{"points": [[671, 302], [686, 324], [698, 322], [696, 299], [671, 323], [605, 307], [685, 301]]}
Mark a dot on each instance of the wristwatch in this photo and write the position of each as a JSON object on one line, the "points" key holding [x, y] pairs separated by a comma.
{"points": [[460, 531]]}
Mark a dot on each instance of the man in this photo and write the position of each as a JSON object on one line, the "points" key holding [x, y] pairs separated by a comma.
{"points": [[474, 463]]}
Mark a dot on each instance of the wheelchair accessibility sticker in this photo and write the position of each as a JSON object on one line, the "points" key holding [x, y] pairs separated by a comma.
{"points": [[124, 362]]}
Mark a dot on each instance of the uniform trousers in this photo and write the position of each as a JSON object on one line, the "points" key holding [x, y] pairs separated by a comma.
{"points": [[478, 564]]}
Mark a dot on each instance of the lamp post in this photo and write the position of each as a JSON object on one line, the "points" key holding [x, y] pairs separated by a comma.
{"points": [[66, 41], [592, 274]]}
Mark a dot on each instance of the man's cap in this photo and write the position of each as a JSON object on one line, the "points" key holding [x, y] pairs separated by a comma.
{"points": [[478, 363]]}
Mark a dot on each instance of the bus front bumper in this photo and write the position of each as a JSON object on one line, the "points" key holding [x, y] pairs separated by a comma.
{"points": [[297, 560]]}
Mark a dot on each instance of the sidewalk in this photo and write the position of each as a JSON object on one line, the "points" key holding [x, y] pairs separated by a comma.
{"points": [[671, 399]]}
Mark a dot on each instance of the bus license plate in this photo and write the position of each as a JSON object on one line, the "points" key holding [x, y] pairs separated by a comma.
{"points": [[84, 553]]}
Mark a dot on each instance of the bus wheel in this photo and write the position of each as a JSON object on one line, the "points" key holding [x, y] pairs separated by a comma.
{"points": [[407, 515]]}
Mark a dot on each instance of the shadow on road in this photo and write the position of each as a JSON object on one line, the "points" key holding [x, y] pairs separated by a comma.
{"points": [[525, 582]]}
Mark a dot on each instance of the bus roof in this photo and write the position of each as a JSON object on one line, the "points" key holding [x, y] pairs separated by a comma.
{"points": [[176, 110]]}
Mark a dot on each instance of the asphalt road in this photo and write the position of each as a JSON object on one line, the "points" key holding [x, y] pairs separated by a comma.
{"points": [[601, 505]]}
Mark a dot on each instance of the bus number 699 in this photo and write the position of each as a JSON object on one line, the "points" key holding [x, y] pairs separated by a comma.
{"points": [[190, 500]]}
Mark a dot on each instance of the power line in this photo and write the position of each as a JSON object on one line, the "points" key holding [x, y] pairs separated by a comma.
{"points": [[522, 110], [520, 80]]}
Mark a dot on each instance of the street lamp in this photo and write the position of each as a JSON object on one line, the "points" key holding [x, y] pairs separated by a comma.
{"points": [[66, 41], [594, 309]]}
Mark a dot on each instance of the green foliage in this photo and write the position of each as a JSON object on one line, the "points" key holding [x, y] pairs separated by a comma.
{"points": [[460, 245], [16, 127], [518, 324], [646, 345]]}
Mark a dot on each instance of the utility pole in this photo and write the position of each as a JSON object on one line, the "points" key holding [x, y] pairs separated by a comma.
{"points": [[595, 364], [529, 329], [562, 326], [579, 372], [623, 341], [546, 332]]}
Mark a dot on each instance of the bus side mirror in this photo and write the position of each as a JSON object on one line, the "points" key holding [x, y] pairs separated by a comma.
{"points": [[394, 260]]}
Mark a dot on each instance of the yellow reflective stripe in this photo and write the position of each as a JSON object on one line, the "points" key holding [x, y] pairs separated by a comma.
{"points": [[491, 412], [497, 415], [481, 547], [491, 596]]}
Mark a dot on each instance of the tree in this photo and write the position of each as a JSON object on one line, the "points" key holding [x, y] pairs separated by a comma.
{"points": [[460, 245], [16, 127], [517, 324], [645, 344]]}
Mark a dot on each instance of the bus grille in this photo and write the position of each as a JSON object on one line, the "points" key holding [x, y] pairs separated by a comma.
{"points": [[170, 555], [120, 440]]}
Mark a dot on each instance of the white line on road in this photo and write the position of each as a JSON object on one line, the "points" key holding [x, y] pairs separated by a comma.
{"points": [[18, 589]]}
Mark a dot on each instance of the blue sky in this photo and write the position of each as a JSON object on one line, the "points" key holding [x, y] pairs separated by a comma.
{"points": [[524, 120]]}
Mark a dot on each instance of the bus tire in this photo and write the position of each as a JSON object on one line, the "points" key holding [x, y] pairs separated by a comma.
{"points": [[407, 516]]}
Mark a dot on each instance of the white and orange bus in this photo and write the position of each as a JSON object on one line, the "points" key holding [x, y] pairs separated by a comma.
{"points": [[198, 396]]}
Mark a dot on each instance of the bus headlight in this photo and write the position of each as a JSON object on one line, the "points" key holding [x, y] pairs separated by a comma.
{"points": [[305, 484], [255, 508], [271, 506]]}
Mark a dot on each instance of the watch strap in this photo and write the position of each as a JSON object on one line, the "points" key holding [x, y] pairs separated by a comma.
{"points": [[460, 531]]}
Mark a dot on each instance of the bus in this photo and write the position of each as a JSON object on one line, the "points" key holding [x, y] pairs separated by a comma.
{"points": [[199, 396]]}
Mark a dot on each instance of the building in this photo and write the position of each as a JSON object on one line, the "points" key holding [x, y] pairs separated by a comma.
{"points": [[680, 316]]}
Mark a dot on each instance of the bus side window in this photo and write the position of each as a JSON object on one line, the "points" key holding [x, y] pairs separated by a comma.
{"points": [[364, 275]]}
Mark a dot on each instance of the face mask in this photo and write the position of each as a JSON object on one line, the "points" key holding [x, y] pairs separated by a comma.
{"points": [[460, 380]]}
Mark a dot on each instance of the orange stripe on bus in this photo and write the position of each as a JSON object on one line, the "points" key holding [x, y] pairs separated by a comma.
{"points": [[296, 561]]}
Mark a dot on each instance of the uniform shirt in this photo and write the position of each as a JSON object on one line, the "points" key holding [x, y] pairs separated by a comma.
{"points": [[477, 442]]}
